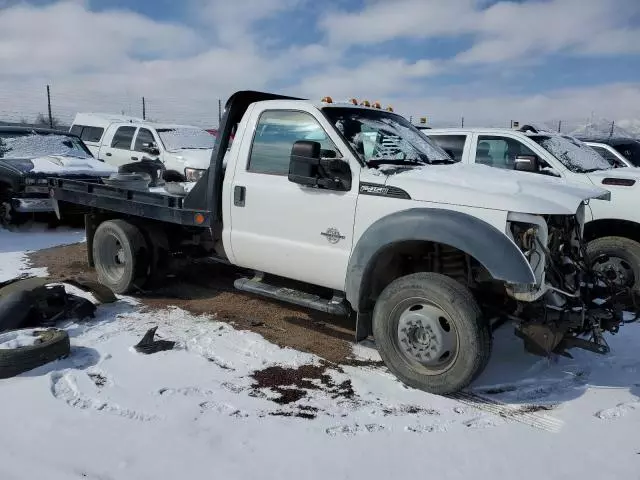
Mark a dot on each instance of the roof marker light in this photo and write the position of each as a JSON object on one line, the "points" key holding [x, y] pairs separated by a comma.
{"points": [[376, 105], [389, 108], [365, 103], [353, 101], [327, 100]]}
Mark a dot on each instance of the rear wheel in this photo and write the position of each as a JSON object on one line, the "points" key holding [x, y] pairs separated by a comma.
{"points": [[430, 332], [121, 256]]}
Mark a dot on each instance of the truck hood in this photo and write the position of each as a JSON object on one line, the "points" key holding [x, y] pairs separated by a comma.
{"points": [[488, 187], [193, 157], [60, 165]]}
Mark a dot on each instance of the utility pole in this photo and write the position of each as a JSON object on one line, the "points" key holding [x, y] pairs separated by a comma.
{"points": [[219, 112], [559, 125], [611, 131], [462, 123], [144, 110], [49, 106]]}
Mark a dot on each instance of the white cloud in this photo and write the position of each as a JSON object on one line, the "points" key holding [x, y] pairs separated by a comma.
{"points": [[374, 79], [612, 101], [232, 19], [65, 37], [501, 32], [106, 61]]}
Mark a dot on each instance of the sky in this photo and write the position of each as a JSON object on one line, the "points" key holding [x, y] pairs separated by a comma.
{"points": [[485, 60]]}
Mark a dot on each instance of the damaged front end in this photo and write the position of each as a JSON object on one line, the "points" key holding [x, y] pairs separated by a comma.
{"points": [[571, 305]]}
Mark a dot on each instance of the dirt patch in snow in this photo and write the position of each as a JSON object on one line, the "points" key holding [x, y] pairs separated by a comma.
{"points": [[292, 383], [205, 288]]}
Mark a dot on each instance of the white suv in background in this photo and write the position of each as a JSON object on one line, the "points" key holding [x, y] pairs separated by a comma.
{"points": [[184, 150], [612, 228]]}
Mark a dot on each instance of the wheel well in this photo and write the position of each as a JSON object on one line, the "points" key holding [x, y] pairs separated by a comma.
{"points": [[404, 258], [612, 228]]}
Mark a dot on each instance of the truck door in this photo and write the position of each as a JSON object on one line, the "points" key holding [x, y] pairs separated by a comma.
{"points": [[280, 227], [144, 136], [116, 148]]}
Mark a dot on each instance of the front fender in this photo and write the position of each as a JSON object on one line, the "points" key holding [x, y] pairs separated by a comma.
{"points": [[489, 246]]}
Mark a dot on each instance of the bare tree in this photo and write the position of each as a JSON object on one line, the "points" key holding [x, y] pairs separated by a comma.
{"points": [[43, 121]]}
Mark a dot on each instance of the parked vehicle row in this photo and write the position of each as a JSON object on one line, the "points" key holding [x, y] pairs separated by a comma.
{"points": [[351, 210]]}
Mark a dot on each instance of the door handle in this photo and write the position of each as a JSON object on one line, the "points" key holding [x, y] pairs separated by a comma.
{"points": [[108, 154], [134, 158], [239, 195]]}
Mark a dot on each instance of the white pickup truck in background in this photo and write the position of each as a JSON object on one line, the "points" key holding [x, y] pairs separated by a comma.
{"points": [[184, 150], [612, 228]]}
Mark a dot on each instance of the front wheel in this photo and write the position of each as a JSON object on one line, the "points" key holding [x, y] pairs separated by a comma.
{"points": [[430, 332]]}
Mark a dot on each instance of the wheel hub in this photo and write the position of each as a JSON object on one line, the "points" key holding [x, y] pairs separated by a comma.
{"points": [[616, 269], [425, 335]]}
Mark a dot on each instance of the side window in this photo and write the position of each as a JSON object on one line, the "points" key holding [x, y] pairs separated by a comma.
{"points": [[92, 134], [276, 132], [76, 129], [608, 156], [144, 136], [122, 138], [452, 144], [500, 152]]}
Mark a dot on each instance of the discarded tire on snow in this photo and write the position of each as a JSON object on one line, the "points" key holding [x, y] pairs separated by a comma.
{"points": [[16, 358]]}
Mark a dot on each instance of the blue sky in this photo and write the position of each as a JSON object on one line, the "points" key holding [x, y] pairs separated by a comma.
{"points": [[490, 61]]}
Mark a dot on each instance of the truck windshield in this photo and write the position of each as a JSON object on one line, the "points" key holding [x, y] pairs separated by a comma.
{"points": [[33, 145], [575, 155], [379, 137], [182, 138]]}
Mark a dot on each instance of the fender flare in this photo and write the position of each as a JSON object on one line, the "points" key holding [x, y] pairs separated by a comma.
{"points": [[488, 245]]}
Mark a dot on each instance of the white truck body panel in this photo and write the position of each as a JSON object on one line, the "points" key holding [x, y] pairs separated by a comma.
{"points": [[283, 227]]}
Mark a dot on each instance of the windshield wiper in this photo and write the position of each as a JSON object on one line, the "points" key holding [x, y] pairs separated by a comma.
{"points": [[395, 161], [442, 161]]}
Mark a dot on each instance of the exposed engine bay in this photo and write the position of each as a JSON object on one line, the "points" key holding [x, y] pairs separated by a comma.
{"points": [[572, 305]]}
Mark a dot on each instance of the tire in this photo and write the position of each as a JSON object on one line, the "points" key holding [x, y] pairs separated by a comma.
{"points": [[430, 295], [627, 253], [54, 345], [121, 256]]}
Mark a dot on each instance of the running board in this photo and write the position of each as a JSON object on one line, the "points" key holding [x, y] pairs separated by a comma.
{"points": [[256, 285]]}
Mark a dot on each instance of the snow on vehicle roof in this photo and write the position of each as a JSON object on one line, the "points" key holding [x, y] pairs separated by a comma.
{"points": [[36, 145]]}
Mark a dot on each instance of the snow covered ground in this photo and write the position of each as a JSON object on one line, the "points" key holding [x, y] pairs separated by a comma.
{"points": [[219, 406]]}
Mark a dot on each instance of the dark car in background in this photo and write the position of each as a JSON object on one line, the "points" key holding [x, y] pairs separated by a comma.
{"points": [[28, 157]]}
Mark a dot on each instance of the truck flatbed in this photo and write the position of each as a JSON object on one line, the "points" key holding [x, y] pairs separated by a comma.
{"points": [[154, 205]]}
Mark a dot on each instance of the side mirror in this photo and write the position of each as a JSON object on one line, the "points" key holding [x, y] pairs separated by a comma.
{"points": [[304, 162], [527, 163], [307, 167], [151, 148]]}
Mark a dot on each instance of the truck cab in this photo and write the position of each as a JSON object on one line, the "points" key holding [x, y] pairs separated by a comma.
{"points": [[612, 227], [184, 150]]}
